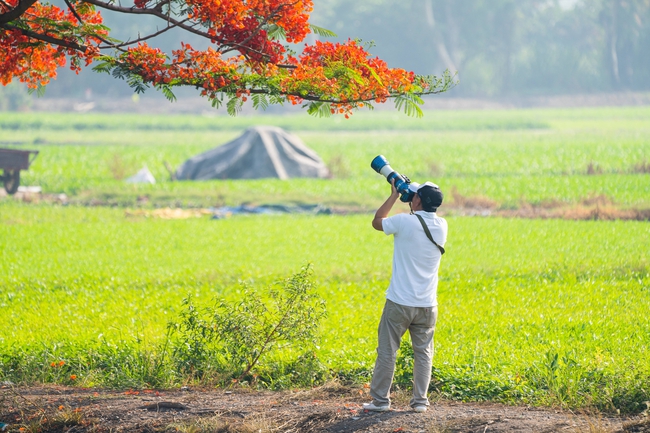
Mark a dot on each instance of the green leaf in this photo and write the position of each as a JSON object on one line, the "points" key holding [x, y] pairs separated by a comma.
{"points": [[276, 32], [374, 74], [319, 109], [277, 99], [234, 106], [321, 31], [409, 103], [353, 74], [136, 83], [260, 101], [119, 72], [103, 67], [216, 102], [40, 91], [167, 91]]}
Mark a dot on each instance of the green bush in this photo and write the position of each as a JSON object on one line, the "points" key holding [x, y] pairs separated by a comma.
{"points": [[233, 340]]}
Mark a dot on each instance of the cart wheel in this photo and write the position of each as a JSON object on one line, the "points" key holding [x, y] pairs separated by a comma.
{"points": [[12, 180]]}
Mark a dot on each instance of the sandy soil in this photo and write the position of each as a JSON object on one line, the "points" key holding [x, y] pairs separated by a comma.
{"points": [[331, 408]]}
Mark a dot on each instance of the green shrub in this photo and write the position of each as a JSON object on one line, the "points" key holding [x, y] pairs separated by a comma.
{"points": [[234, 339]]}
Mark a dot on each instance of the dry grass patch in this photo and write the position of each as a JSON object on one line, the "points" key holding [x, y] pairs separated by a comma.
{"points": [[641, 426], [642, 167], [578, 213], [595, 207], [467, 202], [594, 169], [329, 390], [217, 424], [338, 167], [597, 200]]}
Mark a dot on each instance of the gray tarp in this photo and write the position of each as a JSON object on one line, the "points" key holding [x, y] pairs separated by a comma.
{"points": [[261, 151]]}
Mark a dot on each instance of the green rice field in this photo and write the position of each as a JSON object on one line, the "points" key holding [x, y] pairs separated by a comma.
{"points": [[508, 156], [542, 312]]}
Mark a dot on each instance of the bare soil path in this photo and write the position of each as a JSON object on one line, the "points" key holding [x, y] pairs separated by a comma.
{"points": [[331, 408]]}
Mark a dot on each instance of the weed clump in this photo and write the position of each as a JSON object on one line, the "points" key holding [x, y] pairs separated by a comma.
{"points": [[235, 342]]}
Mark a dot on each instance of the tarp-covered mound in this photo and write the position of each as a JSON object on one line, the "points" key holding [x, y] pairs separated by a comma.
{"points": [[261, 151]]}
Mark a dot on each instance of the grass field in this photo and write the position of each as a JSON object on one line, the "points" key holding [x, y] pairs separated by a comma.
{"points": [[514, 294], [549, 312], [507, 156]]}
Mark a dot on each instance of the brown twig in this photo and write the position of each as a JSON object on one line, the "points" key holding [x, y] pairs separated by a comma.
{"points": [[47, 38], [269, 338], [74, 12], [78, 17], [148, 11], [339, 101], [16, 12], [180, 24], [144, 38]]}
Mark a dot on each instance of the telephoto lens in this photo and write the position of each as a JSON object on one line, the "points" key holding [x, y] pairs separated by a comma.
{"points": [[380, 165]]}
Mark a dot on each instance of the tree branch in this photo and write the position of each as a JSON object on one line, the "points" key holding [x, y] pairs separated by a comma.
{"points": [[144, 38], [16, 12], [147, 11], [46, 38], [74, 12], [315, 98], [78, 17], [269, 338], [158, 13], [6, 5], [259, 27]]}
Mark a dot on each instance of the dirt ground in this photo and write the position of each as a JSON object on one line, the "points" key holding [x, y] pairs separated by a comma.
{"points": [[331, 408]]}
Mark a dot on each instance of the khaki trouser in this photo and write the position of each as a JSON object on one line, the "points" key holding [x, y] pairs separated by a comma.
{"points": [[395, 320]]}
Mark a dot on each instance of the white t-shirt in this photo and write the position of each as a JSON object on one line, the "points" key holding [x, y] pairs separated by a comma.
{"points": [[414, 281]]}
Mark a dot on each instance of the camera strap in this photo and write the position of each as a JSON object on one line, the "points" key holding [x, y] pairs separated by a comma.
{"points": [[426, 230]]}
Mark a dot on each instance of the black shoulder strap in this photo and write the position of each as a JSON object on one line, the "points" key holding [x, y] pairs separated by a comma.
{"points": [[426, 230]]}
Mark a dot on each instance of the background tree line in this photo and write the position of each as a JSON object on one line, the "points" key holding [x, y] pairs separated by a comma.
{"points": [[507, 47], [500, 48]]}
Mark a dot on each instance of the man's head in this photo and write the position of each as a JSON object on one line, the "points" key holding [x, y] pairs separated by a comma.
{"points": [[427, 195]]}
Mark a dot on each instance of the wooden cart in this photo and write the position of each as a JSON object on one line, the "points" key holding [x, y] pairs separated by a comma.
{"points": [[11, 162]]}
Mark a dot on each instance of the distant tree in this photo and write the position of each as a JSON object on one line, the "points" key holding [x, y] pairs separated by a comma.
{"points": [[477, 39], [627, 35], [246, 57], [508, 47]]}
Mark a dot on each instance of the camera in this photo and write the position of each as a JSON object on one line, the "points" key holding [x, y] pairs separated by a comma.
{"points": [[380, 165]]}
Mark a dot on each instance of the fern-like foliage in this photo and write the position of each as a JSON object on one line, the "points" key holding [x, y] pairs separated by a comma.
{"points": [[233, 106], [319, 109], [323, 32], [260, 101], [409, 104]]}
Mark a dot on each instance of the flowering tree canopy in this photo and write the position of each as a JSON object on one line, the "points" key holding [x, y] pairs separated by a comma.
{"points": [[246, 57]]}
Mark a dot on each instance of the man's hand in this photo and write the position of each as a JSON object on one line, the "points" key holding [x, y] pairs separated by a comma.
{"points": [[393, 190], [385, 208]]}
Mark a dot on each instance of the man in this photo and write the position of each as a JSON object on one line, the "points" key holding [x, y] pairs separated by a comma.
{"points": [[411, 299]]}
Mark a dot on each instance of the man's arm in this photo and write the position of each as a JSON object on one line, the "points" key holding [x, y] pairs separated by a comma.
{"points": [[384, 209]]}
